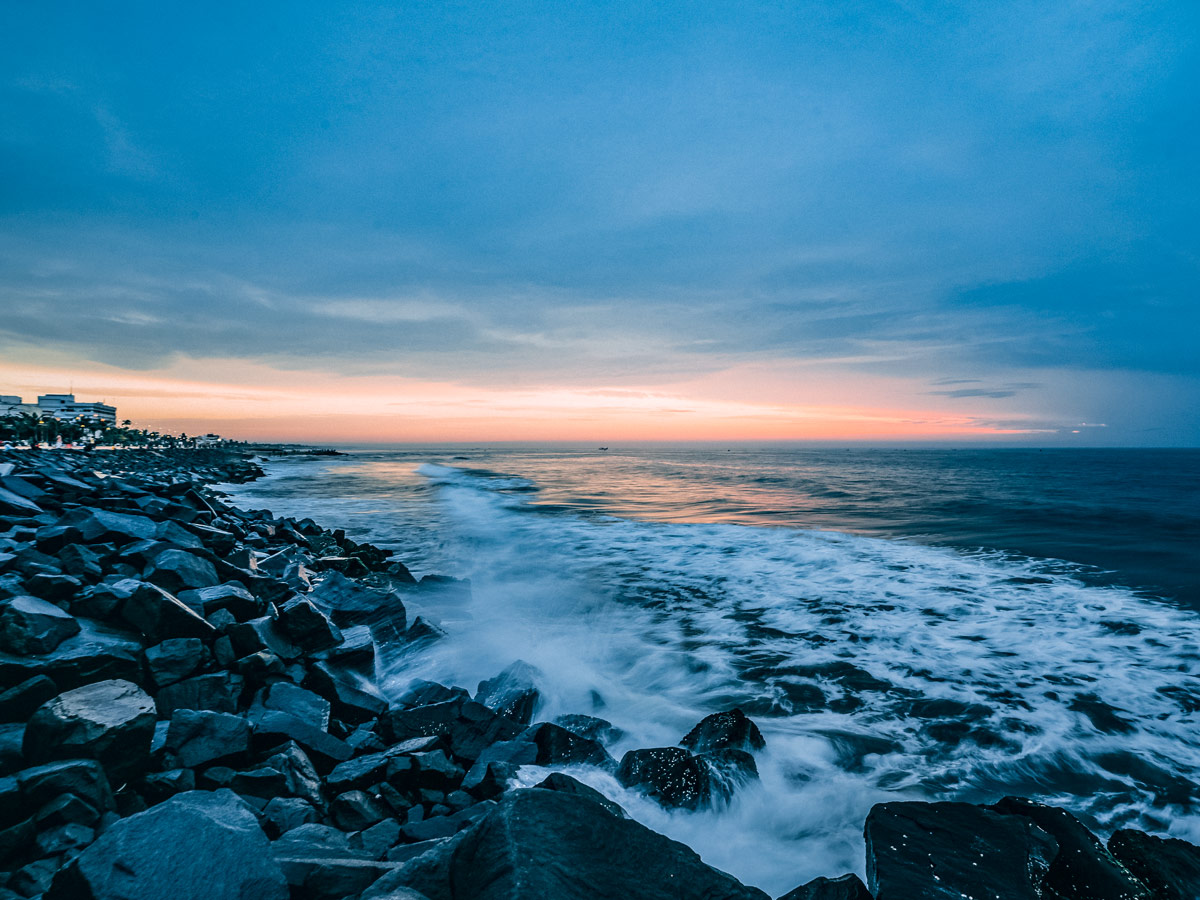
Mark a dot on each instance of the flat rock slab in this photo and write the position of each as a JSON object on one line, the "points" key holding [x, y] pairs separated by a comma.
{"points": [[196, 846]]}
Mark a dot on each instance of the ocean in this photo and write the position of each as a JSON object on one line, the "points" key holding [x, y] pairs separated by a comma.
{"points": [[901, 624]]}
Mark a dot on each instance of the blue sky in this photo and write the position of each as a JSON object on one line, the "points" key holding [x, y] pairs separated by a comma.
{"points": [[991, 203]]}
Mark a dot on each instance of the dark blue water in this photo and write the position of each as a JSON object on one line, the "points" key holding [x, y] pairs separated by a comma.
{"points": [[902, 624]]}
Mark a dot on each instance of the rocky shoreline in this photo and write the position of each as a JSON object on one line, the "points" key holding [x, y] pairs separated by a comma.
{"points": [[188, 709]]}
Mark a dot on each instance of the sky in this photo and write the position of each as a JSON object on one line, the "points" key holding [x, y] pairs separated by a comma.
{"points": [[881, 221]]}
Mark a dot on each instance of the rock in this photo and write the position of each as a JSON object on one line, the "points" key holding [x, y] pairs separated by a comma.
{"points": [[195, 846], [952, 850], [846, 887], [1083, 869], [97, 653], [30, 625], [558, 747], [469, 727], [174, 659], [200, 737], [307, 627], [261, 634], [81, 562], [273, 727], [98, 526], [353, 699], [350, 602], [179, 570], [358, 773], [282, 814], [595, 729], [671, 775], [1169, 867], [513, 692], [320, 863], [216, 691], [159, 616], [12, 737], [378, 839], [557, 781], [84, 778], [57, 588], [299, 774], [12, 504], [728, 770], [296, 701], [724, 731], [18, 703], [230, 595], [160, 786], [356, 810], [427, 693], [551, 844], [110, 721]]}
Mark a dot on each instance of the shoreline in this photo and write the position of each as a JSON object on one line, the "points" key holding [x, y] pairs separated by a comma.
{"points": [[188, 688]]}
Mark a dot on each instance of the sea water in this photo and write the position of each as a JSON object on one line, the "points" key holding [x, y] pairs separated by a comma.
{"points": [[920, 624]]}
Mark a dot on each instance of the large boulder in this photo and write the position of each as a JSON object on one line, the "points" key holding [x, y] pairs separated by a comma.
{"points": [[947, 851], [1083, 869], [558, 747], [552, 844], [671, 775], [31, 625], [730, 730], [1168, 866], [195, 846], [110, 721]]}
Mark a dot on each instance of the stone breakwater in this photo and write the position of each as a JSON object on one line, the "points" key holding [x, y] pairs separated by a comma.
{"points": [[188, 708]]}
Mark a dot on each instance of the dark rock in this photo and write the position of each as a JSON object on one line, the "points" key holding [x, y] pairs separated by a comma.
{"points": [[671, 775], [81, 562], [356, 651], [357, 773], [513, 692], [307, 627], [557, 781], [12, 504], [1169, 867], [53, 538], [31, 625], [159, 786], [378, 839], [159, 616], [201, 737], [729, 730], [595, 729], [18, 703], [951, 850], [64, 809], [559, 747], [262, 634], [356, 810], [846, 887], [174, 659], [216, 691], [63, 839], [351, 602], [84, 778], [15, 840], [728, 769], [231, 596], [296, 701], [179, 570], [320, 864], [98, 652], [12, 739], [299, 773], [98, 526], [422, 632], [273, 727], [34, 879], [353, 699], [487, 780], [539, 843], [282, 814], [1083, 869], [110, 721], [427, 693], [195, 846], [55, 588]]}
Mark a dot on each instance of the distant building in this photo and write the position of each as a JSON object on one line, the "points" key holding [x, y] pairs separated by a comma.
{"points": [[58, 406], [208, 440]]}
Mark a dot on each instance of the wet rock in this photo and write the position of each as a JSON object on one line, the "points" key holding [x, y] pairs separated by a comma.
{"points": [[179, 570], [195, 846], [160, 616], [539, 843], [846, 887], [353, 698], [728, 770], [729, 730], [557, 781], [952, 850], [307, 627], [261, 634], [110, 721], [1169, 867], [200, 737], [558, 747], [81, 562], [18, 703], [513, 692], [97, 653], [469, 727], [216, 691], [31, 625], [427, 693], [1083, 868], [231, 596], [591, 727], [671, 775]]}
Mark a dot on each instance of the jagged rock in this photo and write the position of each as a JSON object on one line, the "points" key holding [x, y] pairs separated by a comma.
{"points": [[98, 526], [307, 627], [357, 773], [378, 839], [273, 727], [356, 651], [216, 691], [729, 730], [299, 774], [356, 810], [231, 596], [56, 588], [179, 570], [261, 634], [558, 747], [728, 769], [427, 693], [591, 727], [159, 616], [159, 786], [201, 737], [296, 701], [12, 504], [31, 625], [110, 721], [282, 814], [81, 562], [1083, 869], [174, 659], [845, 887], [513, 692], [353, 699], [1169, 867], [951, 850], [539, 843], [469, 727], [98, 652], [12, 737], [18, 703], [195, 846], [320, 864], [557, 781], [671, 775], [84, 778]]}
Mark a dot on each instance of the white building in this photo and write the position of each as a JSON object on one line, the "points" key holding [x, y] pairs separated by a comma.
{"points": [[59, 406]]}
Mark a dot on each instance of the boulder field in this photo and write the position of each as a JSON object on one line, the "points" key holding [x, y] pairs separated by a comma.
{"points": [[188, 709]]}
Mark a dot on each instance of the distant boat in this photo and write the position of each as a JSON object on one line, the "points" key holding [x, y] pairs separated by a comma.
{"points": [[603, 448]]}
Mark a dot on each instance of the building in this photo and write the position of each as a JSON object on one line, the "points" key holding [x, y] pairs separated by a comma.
{"points": [[59, 406], [208, 440]]}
